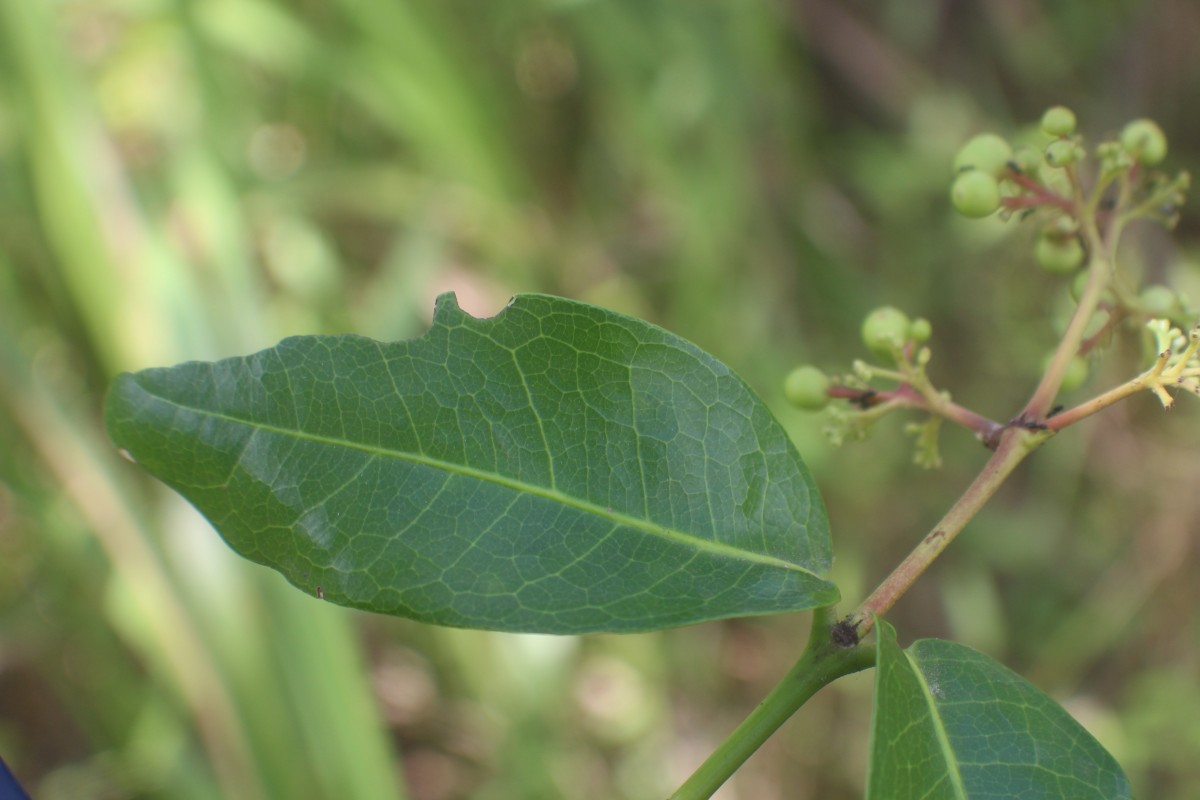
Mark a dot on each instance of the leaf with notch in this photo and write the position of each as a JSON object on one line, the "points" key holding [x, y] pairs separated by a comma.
{"points": [[557, 468]]}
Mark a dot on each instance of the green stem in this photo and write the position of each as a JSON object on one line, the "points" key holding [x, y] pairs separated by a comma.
{"points": [[1099, 272], [1096, 404], [833, 650], [822, 662], [1155, 379]]}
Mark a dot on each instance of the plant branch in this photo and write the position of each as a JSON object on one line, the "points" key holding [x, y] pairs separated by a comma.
{"points": [[822, 662], [1099, 273], [834, 649], [984, 429], [1039, 195], [1096, 404], [1014, 445], [1155, 379], [909, 396]]}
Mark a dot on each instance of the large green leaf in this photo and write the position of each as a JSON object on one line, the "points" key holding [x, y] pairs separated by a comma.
{"points": [[952, 723], [557, 468]]}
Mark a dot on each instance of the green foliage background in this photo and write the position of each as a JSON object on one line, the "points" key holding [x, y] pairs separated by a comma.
{"points": [[194, 180]]}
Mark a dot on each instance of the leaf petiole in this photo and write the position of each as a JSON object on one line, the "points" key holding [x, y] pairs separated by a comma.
{"points": [[823, 661]]}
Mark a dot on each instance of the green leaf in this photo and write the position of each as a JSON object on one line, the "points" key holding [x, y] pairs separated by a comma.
{"points": [[557, 468], [952, 723]]}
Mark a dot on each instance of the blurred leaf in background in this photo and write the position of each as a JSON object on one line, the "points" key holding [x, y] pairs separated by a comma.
{"points": [[199, 179]]}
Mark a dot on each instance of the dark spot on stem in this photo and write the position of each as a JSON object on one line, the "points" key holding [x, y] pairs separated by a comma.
{"points": [[933, 537], [1022, 421], [844, 633], [866, 399]]}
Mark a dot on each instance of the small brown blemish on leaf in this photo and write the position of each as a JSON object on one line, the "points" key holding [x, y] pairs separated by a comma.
{"points": [[320, 593]]}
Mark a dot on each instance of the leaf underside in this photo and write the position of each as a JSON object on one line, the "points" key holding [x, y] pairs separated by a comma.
{"points": [[557, 468], [951, 723]]}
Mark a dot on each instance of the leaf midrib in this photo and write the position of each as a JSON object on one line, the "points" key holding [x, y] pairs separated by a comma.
{"points": [[681, 537], [940, 731]]}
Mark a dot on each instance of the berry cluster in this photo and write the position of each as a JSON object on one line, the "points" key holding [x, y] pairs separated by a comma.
{"points": [[898, 344], [992, 175], [1082, 205], [888, 334]]}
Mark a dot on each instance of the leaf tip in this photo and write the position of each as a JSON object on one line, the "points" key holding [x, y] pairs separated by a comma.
{"points": [[116, 403]]}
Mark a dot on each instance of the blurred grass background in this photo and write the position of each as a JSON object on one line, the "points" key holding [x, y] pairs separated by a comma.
{"points": [[187, 180]]}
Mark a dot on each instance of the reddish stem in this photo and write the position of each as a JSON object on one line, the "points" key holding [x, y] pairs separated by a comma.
{"points": [[986, 430]]}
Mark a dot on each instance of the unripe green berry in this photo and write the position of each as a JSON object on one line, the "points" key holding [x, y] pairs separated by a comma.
{"points": [[1054, 179], [1058, 121], [1097, 322], [1062, 152], [807, 388], [1058, 254], [920, 330], [986, 152], [1159, 301], [1075, 375], [1145, 141], [885, 330], [975, 194], [1107, 298], [1027, 158]]}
